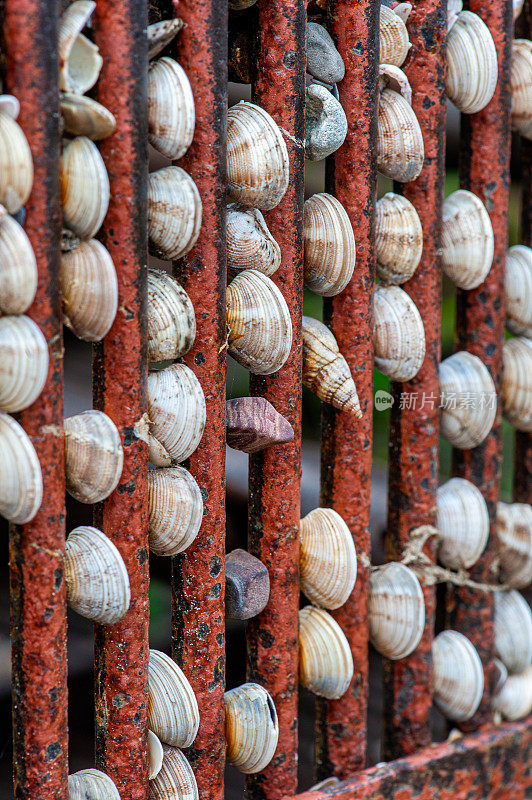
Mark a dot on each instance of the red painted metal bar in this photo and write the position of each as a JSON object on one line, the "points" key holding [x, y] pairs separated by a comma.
{"points": [[120, 375], [38, 600]]}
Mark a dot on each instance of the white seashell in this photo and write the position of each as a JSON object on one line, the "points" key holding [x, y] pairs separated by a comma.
{"points": [[514, 700], [513, 630], [330, 251], [158, 455], [16, 165], [18, 268], [463, 522], [513, 527], [250, 244], [174, 212], [83, 116], [160, 34], [175, 510], [24, 362], [393, 37], [472, 68], [325, 123], [91, 784], [155, 755], [398, 238], [84, 187], [521, 86], [458, 678], [177, 410], [516, 387], [90, 290], [325, 660], [400, 150], [171, 318], [97, 582], [391, 77], [467, 240], [20, 473], [93, 456], [518, 289], [396, 611], [79, 60], [251, 727], [175, 780], [398, 335], [171, 116], [454, 7], [172, 708], [9, 105], [468, 398]]}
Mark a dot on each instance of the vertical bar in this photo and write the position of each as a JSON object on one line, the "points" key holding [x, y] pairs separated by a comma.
{"points": [[346, 443], [120, 375], [275, 473], [414, 446], [38, 600]]}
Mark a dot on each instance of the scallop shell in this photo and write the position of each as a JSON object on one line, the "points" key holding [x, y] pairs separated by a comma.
{"points": [[160, 34], [175, 779], [398, 335], [91, 784], [463, 523], [20, 473], [172, 709], [396, 611], [468, 398], [458, 678], [24, 363], [472, 68], [514, 700], [175, 510], [513, 527], [171, 318], [398, 238], [97, 582], [325, 123], [16, 165], [18, 268], [83, 116], [251, 727], [171, 116], [155, 755], [93, 456], [330, 251], [257, 158], [513, 630], [79, 60], [250, 244], [174, 212], [521, 86], [467, 240], [393, 38], [84, 187], [516, 387], [177, 410], [325, 660], [90, 290], [400, 150], [518, 289]]}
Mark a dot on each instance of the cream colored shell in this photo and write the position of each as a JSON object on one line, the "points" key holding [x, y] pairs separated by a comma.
{"points": [[171, 116], [175, 779], [24, 362], [18, 268], [90, 290], [251, 727], [93, 456], [325, 660], [468, 399], [91, 784], [518, 289], [20, 473], [463, 522], [83, 116], [398, 238], [176, 407], [393, 37], [514, 700], [521, 86], [400, 149], [513, 630], [173, 713], [84, 187], [155, 755], [175, 510], [79, 60], [398, 335], [171, 318], [250, 244], [472, 68], [458, 678], [516, 388], [174, 212], [513, 527], [467, 240], [161, 33], [16, 165], [330, 251], [396, 610]]}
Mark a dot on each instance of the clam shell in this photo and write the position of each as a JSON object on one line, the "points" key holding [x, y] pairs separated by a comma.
{"points": [[325, 123], [458, 678], [24, 363], [260, 328], [84, 187], [16, 165], [155, 755], [518, 289], [79, 60], [90, 290], [514, 700], [171, 116], [516, 387], [250, 244], [398, 335], [172, 708], [97, 582], [251, 727], [93, 456], [174, 212], [400, 150], [398, 238], [175, 510], [468, 397], [513, 630], [454, 7], [463, 522], [521, 85], [83, 116], [161, 33], [257, 158], [171, 318], [396, 611], [175, 779], [158, 455], [9, 105], [330, 251], [325, 660], [472, 68], [18, 268], [91, 784], [393, 38], [467, 240], [20, 473], [327, 558], [177, 410], [513, 527]]}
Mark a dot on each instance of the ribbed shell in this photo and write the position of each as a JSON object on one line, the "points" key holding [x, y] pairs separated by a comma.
{"points": [[16, 165], [327, 558], [171, 318], [20, 473], [155, 755], [467, 240], [466, 384], [161, 33], [400, 150], [175, 510], [172, 708], [393, 38], [472, 68], [257, 158], [398, 238], [398, 335], [463, 522], [521, 84], [177, 410], [24, 362], [83, 116], [250, 244], [251, 727], [174, 212], [396, 610], [514, 535], [325, 123], [90, 290], [18, 268], [458, 678], [171, 116], [93, 456], [175, 780], [514, 700], [518, 289], [84, 187], [91, 784], [517, 382], [330, 251], [513, 630], [325, 660], [79, 60]]}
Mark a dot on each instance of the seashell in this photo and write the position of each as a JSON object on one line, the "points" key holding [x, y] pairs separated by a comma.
{"points": [[83, 116], [398, 335], [257, 158], [240, 5], [16, 165], [177, 410], [9, 105], [518, 289], [18, 268], [521, 87], [250, 244], [501, 674], [396, 610], [175, 510], [513, 528], [172, 708], [93, 456], [324, 62], [325, 660], [175, 779], [393, 37], [91, 784], [463, 523], [158, 455], [398, 238], [513, 630], [84, 186], [400, 151], [258, 319], [454, 7], [174, 212], [326, 123], [79, 59], [391, 77], [514, 700], [468, 399], [458, 678], [97, 582], [171, 318], [330, 251], [516, 388], [161, 33], [251, 727], [24, 363], [90, 290], [155, 755], [472, 68], [517, 7], [327, 558], [171, 116], [325, 370], [20, 473], [467, 240]]}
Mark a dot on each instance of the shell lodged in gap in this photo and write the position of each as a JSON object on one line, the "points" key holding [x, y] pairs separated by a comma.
{"points": [[398, 335], [325, 660], [155, 755], [83, 116], [467, 240], [396, 611], [24, 364], [84, 187], [250, 244], [513, 528], [463, 522], [251, 727], [400, 149], [513, 630], [472, 68], [18, 268], [518, 290], [160, 34], [325, 123], [174, 213], [175, 510], [93, 456], [330, 250], [468, 399], [514, 699], [171, 115], [173, 713], [458, 678], [521, 87], [516, 389], [91, 784], [171, 318], [175, 780], [394, 41], [398, 238], [16, 164], [176, 407], [20, 473], [90, 290], [79, 59]]}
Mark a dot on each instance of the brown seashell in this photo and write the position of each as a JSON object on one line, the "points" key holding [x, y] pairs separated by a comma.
{"points": [[90, 290], [93, 456], [175, 510], [521, 84], [161, 33], [513, 528], [171, 318], [398, 335], [174, 212], [330, 251], [518, 289], [250, 244], [400, 150], [16, 165], [175, 780], [467, 240], [396, 611], [468, 397], [83, 116], [171, 116], [393, 37], [79, 59], [516, 389], [18, 268], [513, 630], [325, 660], [472, 68], [251, 727], [398, 239]]}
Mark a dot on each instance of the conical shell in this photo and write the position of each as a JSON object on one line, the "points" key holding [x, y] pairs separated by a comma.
{"points": [[171, 116], [83, 116], [514, 700], [513, 527], [93, 456], [257, 158], [517, 383], [472, 68], [171, 318], [260, 328], [172, 708], [467, 240], [250, 244], [174, 212], [251, 727], [468, 399], [24, 363], [521, 83], [518, 289], [398, 335], [20, 473], [155, 755], [18, 268], [398, 238], [84, 187], [175, 510], [325, 660], [16, 165], [463, 522], [396, 610], [161, 33], [97, 583], [177, 410], [79, 60], [513, 630], [327, 558], [90, 290], [325, 123], [393, 38], [325, 370], [400, 150], [458, 678], [330, 251], [91, 784], [175, 780]]}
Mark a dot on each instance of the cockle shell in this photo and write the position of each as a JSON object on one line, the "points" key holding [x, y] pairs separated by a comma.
{"points": [[396, 611], [97, 582], [171, 116], [393, 37], [330, 251], [251, 727], [467, 239], [468, 398], [24, 363], [400, 150], [325, 660], [16, 165], [18, 268], [93, 456], [175, 779], [172, 709], [325, 125], [458, 678], [514, 700], [20, 473], [260, 328], [9, 105], [79, 60], [325, 370], [171, 318], [521, 85], [513, 630], [518, 289], [84, 187], [161, 33], [174, 212], [177, 410], [398, 335], [327, 558], [324, 62], [513, 527], [472, 68], [250, 244], [257, 158], [83, 116], [398, 238], [175, 510], [516, 387], [463, 522], [91, 784], [90, 290], [155, 755]]}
